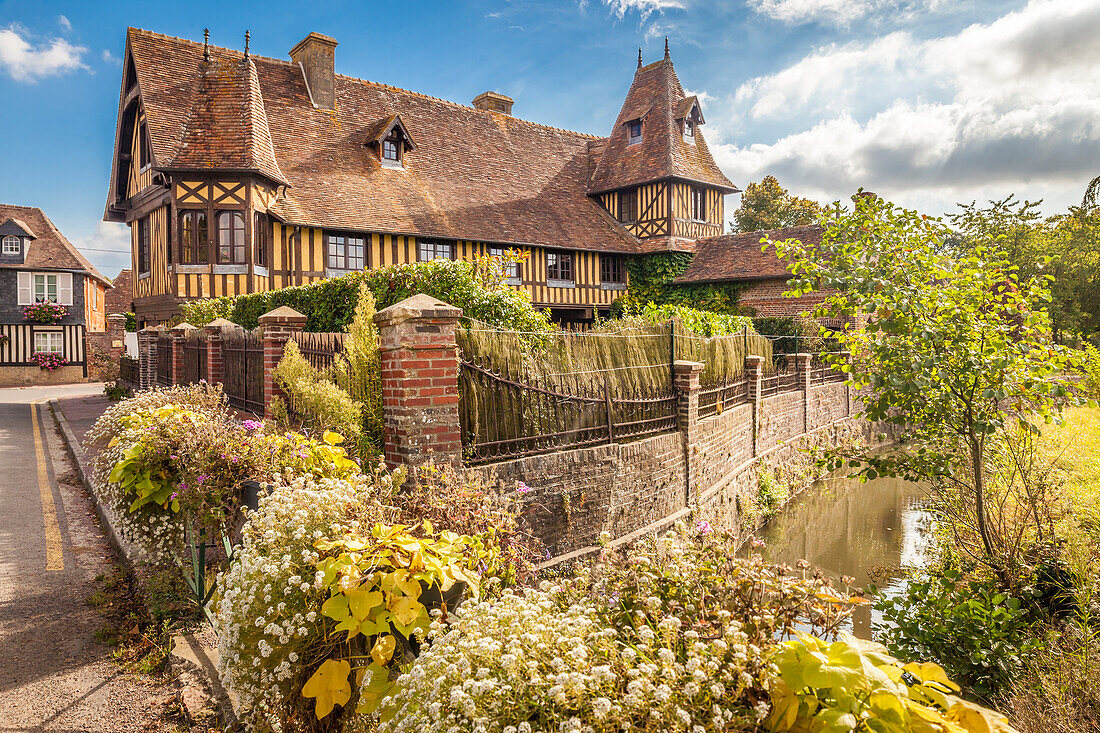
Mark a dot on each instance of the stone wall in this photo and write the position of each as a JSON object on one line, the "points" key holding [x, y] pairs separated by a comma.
{"points": [[633, 489]]}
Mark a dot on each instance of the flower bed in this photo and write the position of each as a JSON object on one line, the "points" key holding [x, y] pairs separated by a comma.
{"points": [[338, 609], [48, 360], [46, 312]]}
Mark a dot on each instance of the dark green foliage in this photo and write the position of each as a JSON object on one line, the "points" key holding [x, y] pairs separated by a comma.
{"points": [[131, 321], [982, 637], [651, 281], [329, 305]]}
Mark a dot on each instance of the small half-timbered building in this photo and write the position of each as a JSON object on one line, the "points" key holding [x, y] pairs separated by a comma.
{"points": [[38, 264], [238, 173]]}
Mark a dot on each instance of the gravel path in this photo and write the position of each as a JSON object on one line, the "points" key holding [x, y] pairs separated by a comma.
{"points": [[54, 675]]}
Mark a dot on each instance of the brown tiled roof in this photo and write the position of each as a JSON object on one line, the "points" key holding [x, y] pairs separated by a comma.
{"points": [[120, 296], [737, 257], [656, 98], [49, 250], [475, 174]]}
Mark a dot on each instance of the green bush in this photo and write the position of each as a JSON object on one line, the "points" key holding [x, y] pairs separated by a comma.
{"points": [[652, 280], [316, 400], [982, 637], [329, 305], [699, 322], [1091, 367]]}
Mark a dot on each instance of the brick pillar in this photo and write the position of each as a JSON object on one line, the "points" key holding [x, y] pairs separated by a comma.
{"points": [[178, 334], [802, 362], [754, 371], [685, 378], [116, 336], [147, 355], [215, 357], [420, 382], [279, 326]]}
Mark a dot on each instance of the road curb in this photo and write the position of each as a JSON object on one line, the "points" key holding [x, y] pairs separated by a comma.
{"points": [[196, 674]]}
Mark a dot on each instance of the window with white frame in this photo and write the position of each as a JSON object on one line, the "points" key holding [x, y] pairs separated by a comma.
{"points": [[45, 288], [51, 342], [511, 269], [634, 131], [11, 245], [428, 251]]}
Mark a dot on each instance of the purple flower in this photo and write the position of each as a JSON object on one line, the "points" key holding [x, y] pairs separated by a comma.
{"points": [[183, 487], [252, 425], [522, 487], [703, 527], [202, 477], [235, 459], [175, 494]]}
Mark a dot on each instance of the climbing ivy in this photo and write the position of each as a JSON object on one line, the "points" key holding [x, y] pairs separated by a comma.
{"points": [[652, 280]]}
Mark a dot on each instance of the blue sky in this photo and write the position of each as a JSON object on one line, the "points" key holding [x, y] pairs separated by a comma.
{"points": [[927, 102]]}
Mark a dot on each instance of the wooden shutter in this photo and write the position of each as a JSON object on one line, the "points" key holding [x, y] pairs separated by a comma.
{"points": [[65, 288], [24, 288]]}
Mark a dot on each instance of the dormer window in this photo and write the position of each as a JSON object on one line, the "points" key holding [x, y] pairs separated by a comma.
{"points": [[391, 149], [634, 131], [11, 245], [392, 139], [689, 130]]}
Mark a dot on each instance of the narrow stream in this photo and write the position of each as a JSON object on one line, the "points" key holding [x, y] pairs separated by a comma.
{"points": [[872, 532]]}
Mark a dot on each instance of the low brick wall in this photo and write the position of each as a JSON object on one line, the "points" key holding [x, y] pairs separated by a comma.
{"points": [[639, 488], [29, 375]]}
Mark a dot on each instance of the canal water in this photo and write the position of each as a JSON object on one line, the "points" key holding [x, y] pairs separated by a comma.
{"points": [[873, 532]]}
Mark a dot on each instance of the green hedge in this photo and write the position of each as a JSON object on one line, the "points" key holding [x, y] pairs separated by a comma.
{"points": [[329, 304]]}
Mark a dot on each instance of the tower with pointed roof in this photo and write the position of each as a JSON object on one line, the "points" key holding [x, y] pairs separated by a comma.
{"points": [[239, 173], [654, 172]]}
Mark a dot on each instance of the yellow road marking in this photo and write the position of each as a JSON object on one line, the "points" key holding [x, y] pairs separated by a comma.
{"points": [[55, 560]]}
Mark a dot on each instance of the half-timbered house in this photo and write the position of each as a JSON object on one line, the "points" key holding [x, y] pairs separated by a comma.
{"points": [[38, 264], [239, 173]]}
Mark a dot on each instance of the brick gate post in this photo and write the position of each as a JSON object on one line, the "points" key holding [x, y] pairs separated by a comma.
{"points": [[685, 378], [754, 371], [116, 336], [803, 361], [147, 355], [179, 335], [420, 382], [279, 326], [215, 341]]}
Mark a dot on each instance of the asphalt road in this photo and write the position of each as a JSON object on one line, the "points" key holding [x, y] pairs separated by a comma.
{"points": [[54, 676]]}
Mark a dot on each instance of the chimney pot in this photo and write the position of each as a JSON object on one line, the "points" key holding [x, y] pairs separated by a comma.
{"points": [[494, 102], [316, 56]]}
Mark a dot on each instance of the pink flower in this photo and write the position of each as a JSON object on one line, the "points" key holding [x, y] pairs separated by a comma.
{"points": [[703, 527], [253, 425], [522, 487]]}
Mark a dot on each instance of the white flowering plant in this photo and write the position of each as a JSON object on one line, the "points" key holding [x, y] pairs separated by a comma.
{"points": [[669, 635]]}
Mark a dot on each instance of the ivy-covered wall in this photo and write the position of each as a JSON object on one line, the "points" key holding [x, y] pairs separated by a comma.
{"points": [[652, 279]]}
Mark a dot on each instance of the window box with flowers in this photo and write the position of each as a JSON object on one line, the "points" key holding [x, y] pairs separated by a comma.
{"points": [[48, 360], [45, 312]]}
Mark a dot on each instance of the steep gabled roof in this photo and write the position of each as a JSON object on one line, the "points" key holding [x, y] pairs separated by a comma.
{"points": [[658, 100], [475, 174], [120, 296], [49, 250], [739, 257]]}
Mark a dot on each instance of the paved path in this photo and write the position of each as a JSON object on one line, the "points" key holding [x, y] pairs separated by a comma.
{"points": [[53, 675]]}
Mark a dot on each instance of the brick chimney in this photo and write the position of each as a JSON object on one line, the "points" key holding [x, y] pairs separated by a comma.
{"points": [[494, 102], [315, 55]]}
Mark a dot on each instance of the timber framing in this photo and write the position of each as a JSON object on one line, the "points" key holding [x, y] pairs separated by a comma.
{"points": [[238, 144]]}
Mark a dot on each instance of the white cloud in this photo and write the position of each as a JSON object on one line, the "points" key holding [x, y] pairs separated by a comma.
{"points": [[108, 247], [644, 8], [25, 62], [1010, 105], [840, 12], [65, 24]]}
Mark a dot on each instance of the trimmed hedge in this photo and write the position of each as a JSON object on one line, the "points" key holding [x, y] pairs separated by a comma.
{"points": [[329, 305]]}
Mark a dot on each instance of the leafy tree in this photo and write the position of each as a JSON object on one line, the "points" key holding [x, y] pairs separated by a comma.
{"points": [[767, 205], [1066, 246], [953, 351]]}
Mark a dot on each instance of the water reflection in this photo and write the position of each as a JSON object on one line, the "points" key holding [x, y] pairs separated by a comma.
{"points": [[872, 532]]}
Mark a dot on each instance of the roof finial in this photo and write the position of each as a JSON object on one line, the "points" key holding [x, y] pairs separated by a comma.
{"points": [[639, 57], [247, 38], [666, 48], [205, 44]]}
